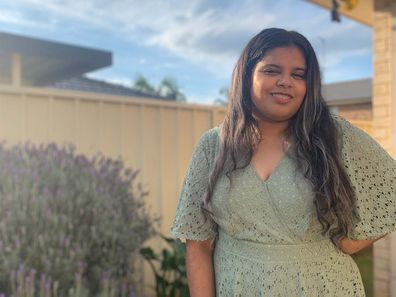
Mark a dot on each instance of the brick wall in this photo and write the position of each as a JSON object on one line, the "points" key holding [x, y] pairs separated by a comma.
{"points": [[361, 112], [384, 112]]}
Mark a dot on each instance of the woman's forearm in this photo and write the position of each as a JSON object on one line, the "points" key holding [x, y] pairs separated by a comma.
{"points": [[200, 272], [350, 246]]}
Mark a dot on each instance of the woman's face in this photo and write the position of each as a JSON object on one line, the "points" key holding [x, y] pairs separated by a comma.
{"points": [[278, 84]]}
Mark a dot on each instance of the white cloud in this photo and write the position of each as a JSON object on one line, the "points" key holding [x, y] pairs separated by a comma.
{"points": [[207, 33], [17, 18], [193, 30]]}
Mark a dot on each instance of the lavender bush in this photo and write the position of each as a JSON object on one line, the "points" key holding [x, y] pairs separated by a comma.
{"points": [[69, 226]]}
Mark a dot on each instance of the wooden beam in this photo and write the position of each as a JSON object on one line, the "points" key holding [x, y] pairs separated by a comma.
{"points": [[362, 13]]}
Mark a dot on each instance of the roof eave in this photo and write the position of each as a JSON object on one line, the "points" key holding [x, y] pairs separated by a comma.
{"points": [[363, 12]]}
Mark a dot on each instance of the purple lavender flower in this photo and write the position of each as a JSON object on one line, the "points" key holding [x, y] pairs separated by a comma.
{"points": [[73, 207]]}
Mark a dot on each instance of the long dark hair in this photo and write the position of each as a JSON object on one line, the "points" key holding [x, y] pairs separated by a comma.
{"points": [[317, 146]]}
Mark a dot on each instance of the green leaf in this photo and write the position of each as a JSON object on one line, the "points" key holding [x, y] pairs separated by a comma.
{"points": [[148, 254]]}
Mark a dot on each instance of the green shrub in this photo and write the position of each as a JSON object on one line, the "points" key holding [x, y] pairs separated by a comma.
{"points": [[69, 225], [169, 268], [364, 261]]}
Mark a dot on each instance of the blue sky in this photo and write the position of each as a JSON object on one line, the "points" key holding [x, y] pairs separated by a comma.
{"points": [[196, 42]]}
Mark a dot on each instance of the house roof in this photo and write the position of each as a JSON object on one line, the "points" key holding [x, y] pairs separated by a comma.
{"points": [[46, 61], [349, 92], [85, 84]]}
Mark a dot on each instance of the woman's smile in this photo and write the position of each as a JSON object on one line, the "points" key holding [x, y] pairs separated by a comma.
{"points": [[279, 84], [281, 98]]}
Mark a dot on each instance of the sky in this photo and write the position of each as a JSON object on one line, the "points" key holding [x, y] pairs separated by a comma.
{"points": [[196, 42]]}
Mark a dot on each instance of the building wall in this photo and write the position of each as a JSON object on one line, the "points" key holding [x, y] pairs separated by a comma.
{"points": [[356, 111], [384, 124]]}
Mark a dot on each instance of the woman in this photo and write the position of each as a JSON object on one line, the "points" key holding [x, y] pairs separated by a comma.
{"points": [[277, 198]]}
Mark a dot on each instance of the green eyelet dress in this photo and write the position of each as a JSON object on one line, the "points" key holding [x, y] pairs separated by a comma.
{"points": [[268, 238]]}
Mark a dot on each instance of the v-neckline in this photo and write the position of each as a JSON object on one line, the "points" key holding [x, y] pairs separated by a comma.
{"points": [[276, 169]]}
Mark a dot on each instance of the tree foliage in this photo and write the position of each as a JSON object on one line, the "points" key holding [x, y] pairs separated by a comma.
{"points": [[168, 88], [143, 85], [222, 100]]}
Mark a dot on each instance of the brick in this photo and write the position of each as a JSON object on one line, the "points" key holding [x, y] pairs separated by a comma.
{"points": [[381, 59], [381, 34], [381, 263], [356, 114], [381, 78], [382, 45], [383, 123], [382, 67], [382, 23], [381, 274], [381, 289], [382, 91], [383, 115], [381, 112], [380, 101]]}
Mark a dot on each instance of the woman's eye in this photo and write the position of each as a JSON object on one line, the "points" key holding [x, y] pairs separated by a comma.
{"points": [[270, 71], [299, 76]]}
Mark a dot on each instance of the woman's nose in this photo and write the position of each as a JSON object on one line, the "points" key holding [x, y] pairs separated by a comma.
{"points": [[284, 80]]}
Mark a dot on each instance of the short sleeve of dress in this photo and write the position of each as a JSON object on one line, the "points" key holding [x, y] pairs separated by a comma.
{"points": [[190, 222], [372, 172]]}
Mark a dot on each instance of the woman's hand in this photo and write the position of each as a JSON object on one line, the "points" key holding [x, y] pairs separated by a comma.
{"points": [[350, 246]]}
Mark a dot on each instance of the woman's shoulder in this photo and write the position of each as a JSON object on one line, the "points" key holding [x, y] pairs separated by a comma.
{"points": [[351, 134], [209, 142], [343, 124], [212, 135], [357, 143]]}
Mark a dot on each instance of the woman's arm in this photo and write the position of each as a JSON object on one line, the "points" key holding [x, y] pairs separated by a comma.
{"points": [[350, 246], [200, 272]]}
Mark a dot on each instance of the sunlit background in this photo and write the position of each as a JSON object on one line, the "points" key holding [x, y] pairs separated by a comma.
{"points": [[195, 43]]}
